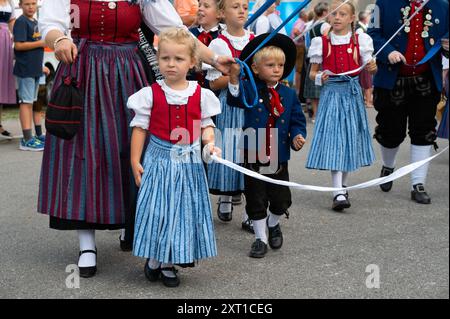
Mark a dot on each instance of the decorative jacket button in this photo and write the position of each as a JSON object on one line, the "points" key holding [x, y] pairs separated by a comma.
{"points": [[259, 109]]}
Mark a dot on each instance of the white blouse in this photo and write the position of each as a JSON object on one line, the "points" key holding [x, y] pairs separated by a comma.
{"points": [[8, 7], [365, 46], [220, 47], [142, 102], [157, 14]]}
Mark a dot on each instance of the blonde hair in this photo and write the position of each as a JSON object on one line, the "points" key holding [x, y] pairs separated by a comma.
{"points": [[222, 4], [269, 52], [179, 36]]}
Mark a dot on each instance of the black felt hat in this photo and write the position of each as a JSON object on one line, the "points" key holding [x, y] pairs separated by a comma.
{"points": [[279, 40]]}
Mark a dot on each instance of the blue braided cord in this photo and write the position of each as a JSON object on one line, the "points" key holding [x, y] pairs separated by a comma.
{"points": [[271, 35], [259, 12], [246, 69]]}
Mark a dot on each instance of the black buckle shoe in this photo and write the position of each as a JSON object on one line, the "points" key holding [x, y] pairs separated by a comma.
{"points": [[151, 274], [275, 237], [227, 216], [237, 199], [87, 272], [259, 249], [386, 171], [340, 205], [248, 226], [170, 282], [124, 245], [419, 194]]}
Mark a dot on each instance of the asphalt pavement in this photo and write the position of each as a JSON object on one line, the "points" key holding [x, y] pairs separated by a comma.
{"points": [[384, 246]]}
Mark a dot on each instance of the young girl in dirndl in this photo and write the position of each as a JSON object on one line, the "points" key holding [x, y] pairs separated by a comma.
{"points": [[342, 141], [174, 224]]}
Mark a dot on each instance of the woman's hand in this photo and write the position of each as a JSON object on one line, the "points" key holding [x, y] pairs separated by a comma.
{"points": [[223, 63], [371, 67], [138, 170], [235, 71], [66, 51]]}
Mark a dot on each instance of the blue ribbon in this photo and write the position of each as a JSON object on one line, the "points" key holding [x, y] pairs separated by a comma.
{"points": [[259, 12], [245, 69], [432, 52]]}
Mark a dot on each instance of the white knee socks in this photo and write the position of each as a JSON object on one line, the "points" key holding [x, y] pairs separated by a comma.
{"points": [[122, 234], [273, 220], [336, 176], [419, 153], [388, 155], [87, 242], [259, 226]]}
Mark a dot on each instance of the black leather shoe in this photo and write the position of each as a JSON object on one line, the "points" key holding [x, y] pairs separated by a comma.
{"points": [[227, 216], [275, 237], [170, 282], [386, 171], [87, 272], [151, 274], [420, 195], [259, 249], [124, 245], [237, 199], [340, 205], [248, 226]]}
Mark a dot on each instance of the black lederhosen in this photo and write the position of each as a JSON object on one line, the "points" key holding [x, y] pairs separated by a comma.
{"points": [[410, 104], [260, 195]]}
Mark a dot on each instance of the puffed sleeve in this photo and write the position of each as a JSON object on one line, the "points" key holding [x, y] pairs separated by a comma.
{"points": [[210, 105], [54, 15], [315, 51], [219, 47], [365, 47], [444, 63], [13, 13], [160, 14], [141, 104], [262, 25]]}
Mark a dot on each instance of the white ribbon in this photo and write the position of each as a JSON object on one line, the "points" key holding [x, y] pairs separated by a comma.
{"points": [[374, 182]]}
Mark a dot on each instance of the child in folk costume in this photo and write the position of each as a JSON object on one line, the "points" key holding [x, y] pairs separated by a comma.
{"points": [[278, 113], [208, 29], [342, 141], [174, 222], [222, 180]]}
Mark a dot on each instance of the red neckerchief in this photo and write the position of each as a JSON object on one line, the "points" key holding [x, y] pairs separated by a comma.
{"points": [[205, 38], [276, 109]]}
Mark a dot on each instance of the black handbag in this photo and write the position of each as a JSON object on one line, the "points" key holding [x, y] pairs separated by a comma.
{"points": [[63, 115]]}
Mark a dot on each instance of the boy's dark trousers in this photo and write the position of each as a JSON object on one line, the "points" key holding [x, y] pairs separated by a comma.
{"points": [[261, 195]]}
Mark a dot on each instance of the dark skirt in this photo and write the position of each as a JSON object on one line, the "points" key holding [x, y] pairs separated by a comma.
{"points": [[86, 182]]}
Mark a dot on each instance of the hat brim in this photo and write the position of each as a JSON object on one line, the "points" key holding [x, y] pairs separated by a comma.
{"points": [[279, 40]]}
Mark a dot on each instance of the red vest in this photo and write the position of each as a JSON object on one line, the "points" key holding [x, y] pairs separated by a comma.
{"points": [[340, 58], [234, 53], [106, 21], [415, 50], [165, 118]]}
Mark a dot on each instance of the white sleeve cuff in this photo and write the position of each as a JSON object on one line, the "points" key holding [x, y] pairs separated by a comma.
{"points": [[234, 89], [207, 122]]}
